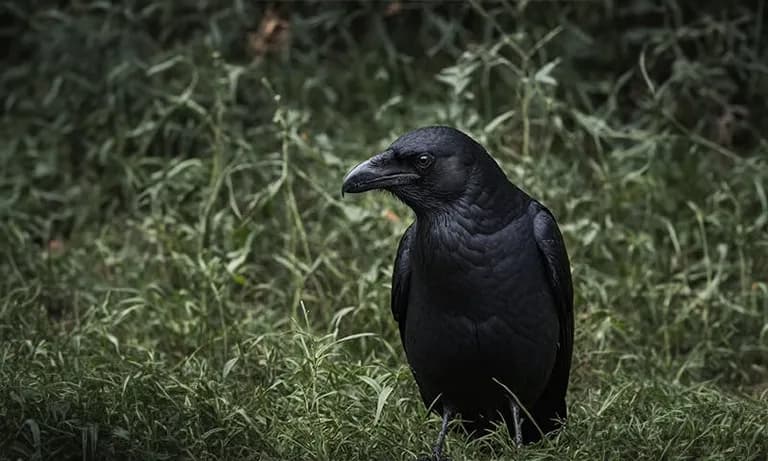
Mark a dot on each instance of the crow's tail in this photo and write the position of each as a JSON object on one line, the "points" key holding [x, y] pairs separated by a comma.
{"points": [[548, 414]]}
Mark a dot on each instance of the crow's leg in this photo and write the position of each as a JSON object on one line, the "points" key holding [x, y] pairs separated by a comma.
{"points": [[518, 422], [438, 450]]}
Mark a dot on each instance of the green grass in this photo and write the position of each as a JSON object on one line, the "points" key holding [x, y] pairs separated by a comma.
{"points": [[180, 279]]}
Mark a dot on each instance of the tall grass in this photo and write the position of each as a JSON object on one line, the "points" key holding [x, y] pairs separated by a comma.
{"points": [[180, 278]]}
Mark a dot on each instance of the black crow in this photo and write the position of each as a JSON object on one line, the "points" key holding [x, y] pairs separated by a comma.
{"points": [[481, 288]]}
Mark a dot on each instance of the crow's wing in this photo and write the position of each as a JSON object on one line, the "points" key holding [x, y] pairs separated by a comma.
{"points": [[401, 280], [550, 242]]}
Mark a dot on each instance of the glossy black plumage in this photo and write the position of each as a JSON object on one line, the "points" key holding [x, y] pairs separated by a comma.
{"points": [[481, 288]]}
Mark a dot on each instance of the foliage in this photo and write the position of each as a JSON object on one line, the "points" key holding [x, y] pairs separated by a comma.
{"points": [[179, 277]]}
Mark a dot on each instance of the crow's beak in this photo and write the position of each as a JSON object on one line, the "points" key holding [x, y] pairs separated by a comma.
{"points": [[381, 171]]}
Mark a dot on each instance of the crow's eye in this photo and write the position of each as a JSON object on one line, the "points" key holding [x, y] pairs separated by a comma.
{"points": [[423, 161]]}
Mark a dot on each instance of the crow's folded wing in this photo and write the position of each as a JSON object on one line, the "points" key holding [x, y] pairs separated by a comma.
{"points": [[552, 247], [401, 281]]}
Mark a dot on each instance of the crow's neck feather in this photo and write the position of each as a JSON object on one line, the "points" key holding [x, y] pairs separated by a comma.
{"points": [[487, 205]]}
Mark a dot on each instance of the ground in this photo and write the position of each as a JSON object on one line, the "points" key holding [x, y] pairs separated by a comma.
{"points": [[180, 278]]}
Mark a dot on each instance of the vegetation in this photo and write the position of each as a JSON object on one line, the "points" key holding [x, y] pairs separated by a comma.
{"points": [[180, 278]]}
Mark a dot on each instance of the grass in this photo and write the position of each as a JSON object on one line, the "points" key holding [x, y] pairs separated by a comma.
{"points": [[180, 279]]}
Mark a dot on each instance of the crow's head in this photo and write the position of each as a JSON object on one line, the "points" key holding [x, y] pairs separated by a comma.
{"points": [[426, 168]]}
